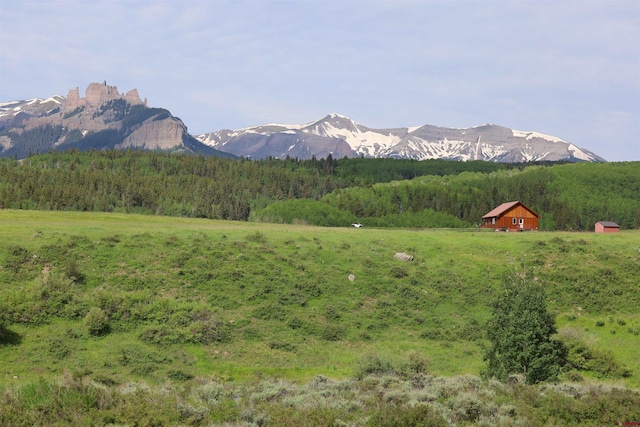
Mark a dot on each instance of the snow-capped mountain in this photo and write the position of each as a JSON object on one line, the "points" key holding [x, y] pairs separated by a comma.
{"points": [[340, 136], [103, 119], [14, 113]]}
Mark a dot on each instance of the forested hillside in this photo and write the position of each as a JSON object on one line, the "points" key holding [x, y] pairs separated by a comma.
{"points": [[155, 183], [376, 192], [567, 197]]}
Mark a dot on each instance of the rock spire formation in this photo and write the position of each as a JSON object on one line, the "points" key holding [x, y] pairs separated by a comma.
{"points": [[98, 94]]}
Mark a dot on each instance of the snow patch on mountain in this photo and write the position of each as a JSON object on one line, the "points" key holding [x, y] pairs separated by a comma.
{"points": [[487, 142], [34, 106], [578, 153], [531, 135]]}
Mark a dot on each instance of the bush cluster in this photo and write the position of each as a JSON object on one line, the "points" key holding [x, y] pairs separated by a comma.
{"points": [[584, 358], [380, 398]]}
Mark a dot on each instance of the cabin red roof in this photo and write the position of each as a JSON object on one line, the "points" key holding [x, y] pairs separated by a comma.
{"points": [[608, 224], [504, 208]]}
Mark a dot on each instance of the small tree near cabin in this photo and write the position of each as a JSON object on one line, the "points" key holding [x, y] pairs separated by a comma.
{"points": [[521, 335]]}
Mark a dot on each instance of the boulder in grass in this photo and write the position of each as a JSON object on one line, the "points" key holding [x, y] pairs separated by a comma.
{"points": [[403, 256]]}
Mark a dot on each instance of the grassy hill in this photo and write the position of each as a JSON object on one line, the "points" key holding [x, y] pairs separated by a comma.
{"points": [[119, 298]]}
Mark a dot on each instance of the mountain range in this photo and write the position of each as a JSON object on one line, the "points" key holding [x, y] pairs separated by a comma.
{"points": [[340, 136], [106, 119]]}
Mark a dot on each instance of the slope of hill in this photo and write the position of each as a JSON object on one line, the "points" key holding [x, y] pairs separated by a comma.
{"points": [[339, 136], [235, 299], [113, 319]]}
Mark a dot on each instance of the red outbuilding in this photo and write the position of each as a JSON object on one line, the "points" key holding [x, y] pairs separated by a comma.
{"points": [[511, 216], [607, 227]]}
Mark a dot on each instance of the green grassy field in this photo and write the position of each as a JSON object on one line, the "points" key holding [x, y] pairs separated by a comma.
{"points": [[244, 300], [117, 319]]}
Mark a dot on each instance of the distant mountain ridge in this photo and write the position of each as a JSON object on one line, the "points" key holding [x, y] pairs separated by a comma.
{"points": [[103, 119], [340, 136], [108, 119]]}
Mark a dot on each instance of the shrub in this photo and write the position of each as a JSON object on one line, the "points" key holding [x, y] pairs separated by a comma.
{"points": [[270, 312], [96, 321], [417, 363], [406, 416], [330, 312], [295, 323], [17, 256], [72, 271], [466, 407], [332, 333], [257, 237], [372, 364], [399, 272], [162, 334], [178, 375], [58, 348], [208, 331], [574, 376], [56, 291], [105, 380], [584, 358], [284, 346]]}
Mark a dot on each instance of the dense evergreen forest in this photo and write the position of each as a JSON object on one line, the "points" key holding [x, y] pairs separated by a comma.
{"points": [[328, 192]]}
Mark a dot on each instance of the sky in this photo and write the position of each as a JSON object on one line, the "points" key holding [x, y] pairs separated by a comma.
{"points": [[565, 68]]}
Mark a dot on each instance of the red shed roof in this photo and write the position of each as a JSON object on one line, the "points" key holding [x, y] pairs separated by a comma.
{"points": [[608, 224], [504, 208]]}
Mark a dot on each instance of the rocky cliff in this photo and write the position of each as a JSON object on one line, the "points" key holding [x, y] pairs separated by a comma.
{"points": [[103, 119], [155, 135]]}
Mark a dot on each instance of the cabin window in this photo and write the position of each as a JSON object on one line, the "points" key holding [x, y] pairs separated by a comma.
{"points": [[514, 221], [521, 221], [493, 220]]}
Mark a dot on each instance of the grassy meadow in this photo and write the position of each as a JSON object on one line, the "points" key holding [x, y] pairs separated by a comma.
{"points": [[118, 299]]}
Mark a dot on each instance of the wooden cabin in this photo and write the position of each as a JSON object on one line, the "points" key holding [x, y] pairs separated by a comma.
{"points": [[511, 216], [607, 227]]}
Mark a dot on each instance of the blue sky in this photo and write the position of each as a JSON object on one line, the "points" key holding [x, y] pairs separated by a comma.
{"points": [[570, 69]]}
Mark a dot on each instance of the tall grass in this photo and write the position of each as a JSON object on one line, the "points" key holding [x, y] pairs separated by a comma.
{"points": [[381, 398]]}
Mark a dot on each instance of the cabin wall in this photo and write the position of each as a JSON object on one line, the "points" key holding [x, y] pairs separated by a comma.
{"points": [[519, 212], [506, 221], [528, 223], [602, 229]]}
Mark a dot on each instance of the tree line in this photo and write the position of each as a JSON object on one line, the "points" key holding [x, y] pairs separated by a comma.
{"points": [[384, 192], [154, 183]]}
